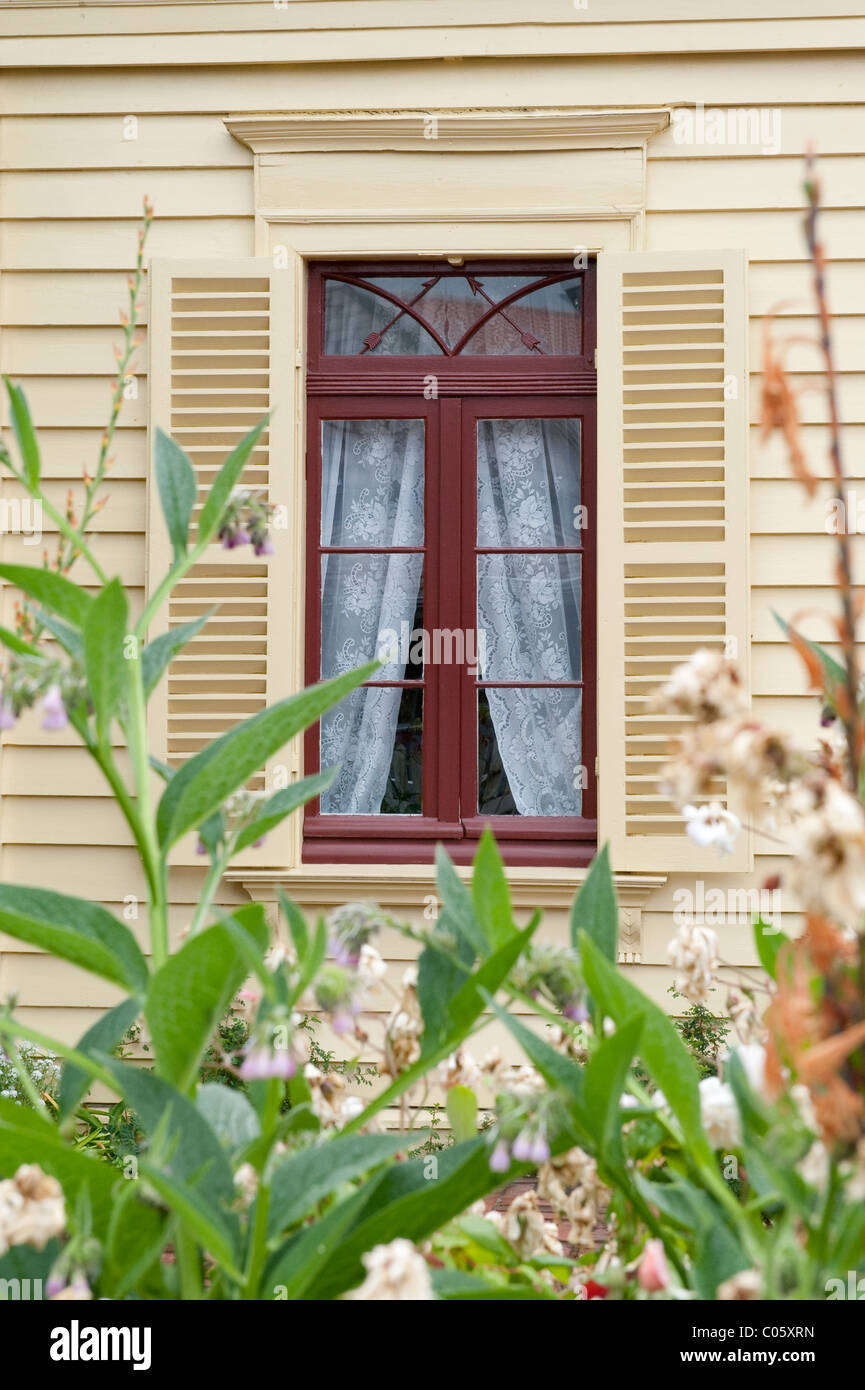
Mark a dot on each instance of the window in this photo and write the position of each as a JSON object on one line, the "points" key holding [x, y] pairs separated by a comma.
{"points": [[450, 531]]}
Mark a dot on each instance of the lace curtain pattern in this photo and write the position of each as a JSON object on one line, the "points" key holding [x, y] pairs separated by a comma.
{"points": [[372, 495], [529, 606], [528, 603]]}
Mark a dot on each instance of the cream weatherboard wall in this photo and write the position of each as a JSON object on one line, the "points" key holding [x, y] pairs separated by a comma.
{"points": [[103, 103]]}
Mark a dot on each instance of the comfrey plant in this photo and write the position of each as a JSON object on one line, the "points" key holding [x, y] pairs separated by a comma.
{"points": [[281, 1187]]}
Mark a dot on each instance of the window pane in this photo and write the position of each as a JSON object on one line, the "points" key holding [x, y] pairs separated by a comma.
{"points": [[529, 482], [372, 482], [529, 617], [452, 304], [356, 320], [370, 604], [376, 735], [529, 752], [549, 318]]}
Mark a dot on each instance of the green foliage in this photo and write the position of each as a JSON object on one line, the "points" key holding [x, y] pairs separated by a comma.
{"points": [[264, 1177]]}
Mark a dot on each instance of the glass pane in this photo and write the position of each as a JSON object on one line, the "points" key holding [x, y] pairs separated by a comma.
{"points": [[451, 304], [529, 752], [529, 482], [548, 318], [372, 482], [356, 320], [370, 605], [376, 735], [529, 617]]}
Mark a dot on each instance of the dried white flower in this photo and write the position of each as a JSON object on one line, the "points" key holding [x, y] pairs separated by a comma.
{"points": [[32, 1209], [742, 1287], [706, 686], [814, 1167], [720, 1114], [371, 969], [828, 869], [394, 1271], [712, 824], [246, 1182], [460, 1069], [693, 952]]}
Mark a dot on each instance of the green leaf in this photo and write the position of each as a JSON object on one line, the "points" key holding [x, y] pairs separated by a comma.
{"points": [[606, 1074], [439, 978], [204, 782], [455, 1285], [410, 1203], [558, 1071], [470, 998], [104, 657], [158, 654], [661, 1048], [595, 910], [464, 1008], [457, 908], [76, 930], [834, 671], [189, 1203], [225, 480], [274, 810], [175, 479], [70, 640], [229, 1114], [296, 923], [768, 941], [25, 435], [294, 1268], [183, 1146], [57, 594], [191, 992], [304, 1179], [462, 1108], [17, 644], [102, 1037], [25, 1137], [490, 895]]}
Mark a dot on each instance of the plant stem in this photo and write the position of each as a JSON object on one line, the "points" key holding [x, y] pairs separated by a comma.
{"points": [[148, 844], [189, 1265], [258, 1239]]}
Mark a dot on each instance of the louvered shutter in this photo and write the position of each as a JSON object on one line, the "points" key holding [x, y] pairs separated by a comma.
{"points": [[672, 523], [220, 358]]}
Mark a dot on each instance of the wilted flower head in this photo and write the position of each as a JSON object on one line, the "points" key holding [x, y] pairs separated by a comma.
{"points": [[693, 952], [32, 1209], [745, 1286], [828, 869], [395, 1271], [706, 687], [712, 824], [720, 1114], [460, 1069]]}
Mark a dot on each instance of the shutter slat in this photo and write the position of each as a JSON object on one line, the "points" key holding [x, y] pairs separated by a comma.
{"points": [[672, 522]]}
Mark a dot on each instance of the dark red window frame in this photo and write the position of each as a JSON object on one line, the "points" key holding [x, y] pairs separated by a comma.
{"points": [[371, 385]]}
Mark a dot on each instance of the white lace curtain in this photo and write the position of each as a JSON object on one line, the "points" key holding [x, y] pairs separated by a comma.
{"points": [[528, 605]]}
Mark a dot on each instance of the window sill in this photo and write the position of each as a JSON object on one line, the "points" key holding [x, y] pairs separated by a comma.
{"points": [[408, 887]]}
